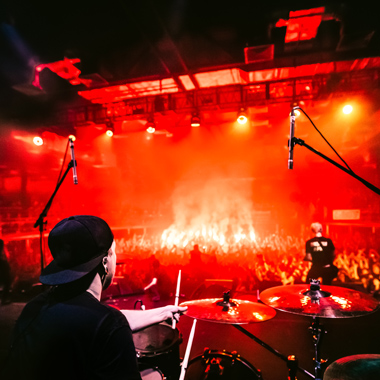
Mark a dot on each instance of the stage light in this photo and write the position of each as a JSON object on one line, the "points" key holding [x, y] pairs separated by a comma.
{"points": [[347, 109], [297, 113], [110, 129], [72, 137], [38, 140], [150, 125], [195, 121], [242, 117]]}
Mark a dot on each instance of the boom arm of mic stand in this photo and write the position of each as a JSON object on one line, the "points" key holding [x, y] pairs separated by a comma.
{"points": [[351, 173], [40, 221]]}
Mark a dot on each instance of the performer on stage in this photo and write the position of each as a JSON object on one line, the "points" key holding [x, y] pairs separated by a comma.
{"points": [[320, 251], [66, 333]]}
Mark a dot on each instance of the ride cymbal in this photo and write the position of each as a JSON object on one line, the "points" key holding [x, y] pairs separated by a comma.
{"points": [[319, 301]]}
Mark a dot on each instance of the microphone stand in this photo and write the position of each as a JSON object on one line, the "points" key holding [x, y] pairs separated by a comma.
{"points": [[295, 141], [40, 221]]}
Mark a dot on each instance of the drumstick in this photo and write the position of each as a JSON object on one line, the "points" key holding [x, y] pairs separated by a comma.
{"points": [[177, 297], [187, 353]]}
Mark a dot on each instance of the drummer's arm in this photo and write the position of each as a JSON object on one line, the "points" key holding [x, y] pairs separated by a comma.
{"points": [[139, 319]]}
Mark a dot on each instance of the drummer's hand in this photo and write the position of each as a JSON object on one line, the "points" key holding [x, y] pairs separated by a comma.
{"points": [[173, 312]]}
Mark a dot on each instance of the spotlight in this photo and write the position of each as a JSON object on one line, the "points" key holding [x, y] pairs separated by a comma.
{"points": [[242, 117], [110, 129], [297, 113], [72, 137], [347, 109], [150, 125], [38, 140], [195, 121]]}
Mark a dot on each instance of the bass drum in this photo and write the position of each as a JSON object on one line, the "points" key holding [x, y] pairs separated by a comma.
{"points": [[158, 346], [220, 365]]}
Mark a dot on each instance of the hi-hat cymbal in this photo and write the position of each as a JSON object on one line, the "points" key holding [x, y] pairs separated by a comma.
{"points": [[326, 301], [233, 311]]}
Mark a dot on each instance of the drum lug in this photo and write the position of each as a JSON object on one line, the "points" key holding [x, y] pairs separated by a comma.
{"points": [[234, 356], [206, 353], [214, 368]]}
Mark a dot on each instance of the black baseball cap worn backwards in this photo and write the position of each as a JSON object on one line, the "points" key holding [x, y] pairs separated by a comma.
{"points": [[78, 245]]}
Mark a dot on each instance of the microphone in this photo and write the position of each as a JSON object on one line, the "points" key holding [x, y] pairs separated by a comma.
{"points": [[291, 136], [75, 177]]}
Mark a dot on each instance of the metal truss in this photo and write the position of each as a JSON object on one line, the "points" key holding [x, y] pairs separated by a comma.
{"points": [[225, 98]]}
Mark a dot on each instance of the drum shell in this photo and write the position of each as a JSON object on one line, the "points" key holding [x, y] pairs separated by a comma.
{"points": [[221, 365], [158, 346]]}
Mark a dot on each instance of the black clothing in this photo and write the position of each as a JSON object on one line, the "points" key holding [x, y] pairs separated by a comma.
{"points": [[5, 280], [322, 253], [5, 275], [72, 338], [321, 250]]}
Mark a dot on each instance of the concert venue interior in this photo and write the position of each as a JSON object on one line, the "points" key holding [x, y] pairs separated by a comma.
{"points": [[150, 93]]}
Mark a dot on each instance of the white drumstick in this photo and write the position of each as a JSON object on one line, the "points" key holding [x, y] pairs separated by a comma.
{"points": [[187, 353], [177, 296]]}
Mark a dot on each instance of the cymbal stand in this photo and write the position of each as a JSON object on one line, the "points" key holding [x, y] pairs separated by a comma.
{"points": [[290, 360], [317, 332]]}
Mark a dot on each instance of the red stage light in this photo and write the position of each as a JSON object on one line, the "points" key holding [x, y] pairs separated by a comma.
{"points": [[195, 121], [38, 140], [347, 109], [72, 137], [151, 129], [109, 132], [242, 117]]}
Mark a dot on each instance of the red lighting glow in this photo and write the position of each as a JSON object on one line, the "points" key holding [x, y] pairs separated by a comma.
{"points": [[151, 129], [347, 109], [242, 119], [297, 113], [38, 141], [109, 132]]}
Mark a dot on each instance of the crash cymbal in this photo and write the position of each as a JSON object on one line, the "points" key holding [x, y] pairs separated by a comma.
{"points": [[233, 311], [319, 301]]}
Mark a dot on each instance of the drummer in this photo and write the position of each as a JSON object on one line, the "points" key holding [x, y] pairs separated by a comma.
{"points": [[65, 332]]}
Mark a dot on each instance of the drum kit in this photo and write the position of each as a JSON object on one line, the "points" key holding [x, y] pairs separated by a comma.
{"points": [[314, 300], [157, 346]]}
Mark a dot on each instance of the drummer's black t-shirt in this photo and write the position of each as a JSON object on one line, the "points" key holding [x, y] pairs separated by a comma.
{"points": [[78, 338]]}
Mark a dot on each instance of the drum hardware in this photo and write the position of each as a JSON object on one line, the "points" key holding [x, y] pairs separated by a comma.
{"points": [[317, 332], [226, 303], [307, 300], [328, 302], [142, 306], [214, 364], [291, 361]]}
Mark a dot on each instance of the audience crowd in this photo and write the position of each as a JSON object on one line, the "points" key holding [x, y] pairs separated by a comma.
{"points": [[272, 261], [250, 265]]}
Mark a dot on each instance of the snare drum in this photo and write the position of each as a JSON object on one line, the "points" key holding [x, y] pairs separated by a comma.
{"points": [[215, 364], [158, 346]]}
